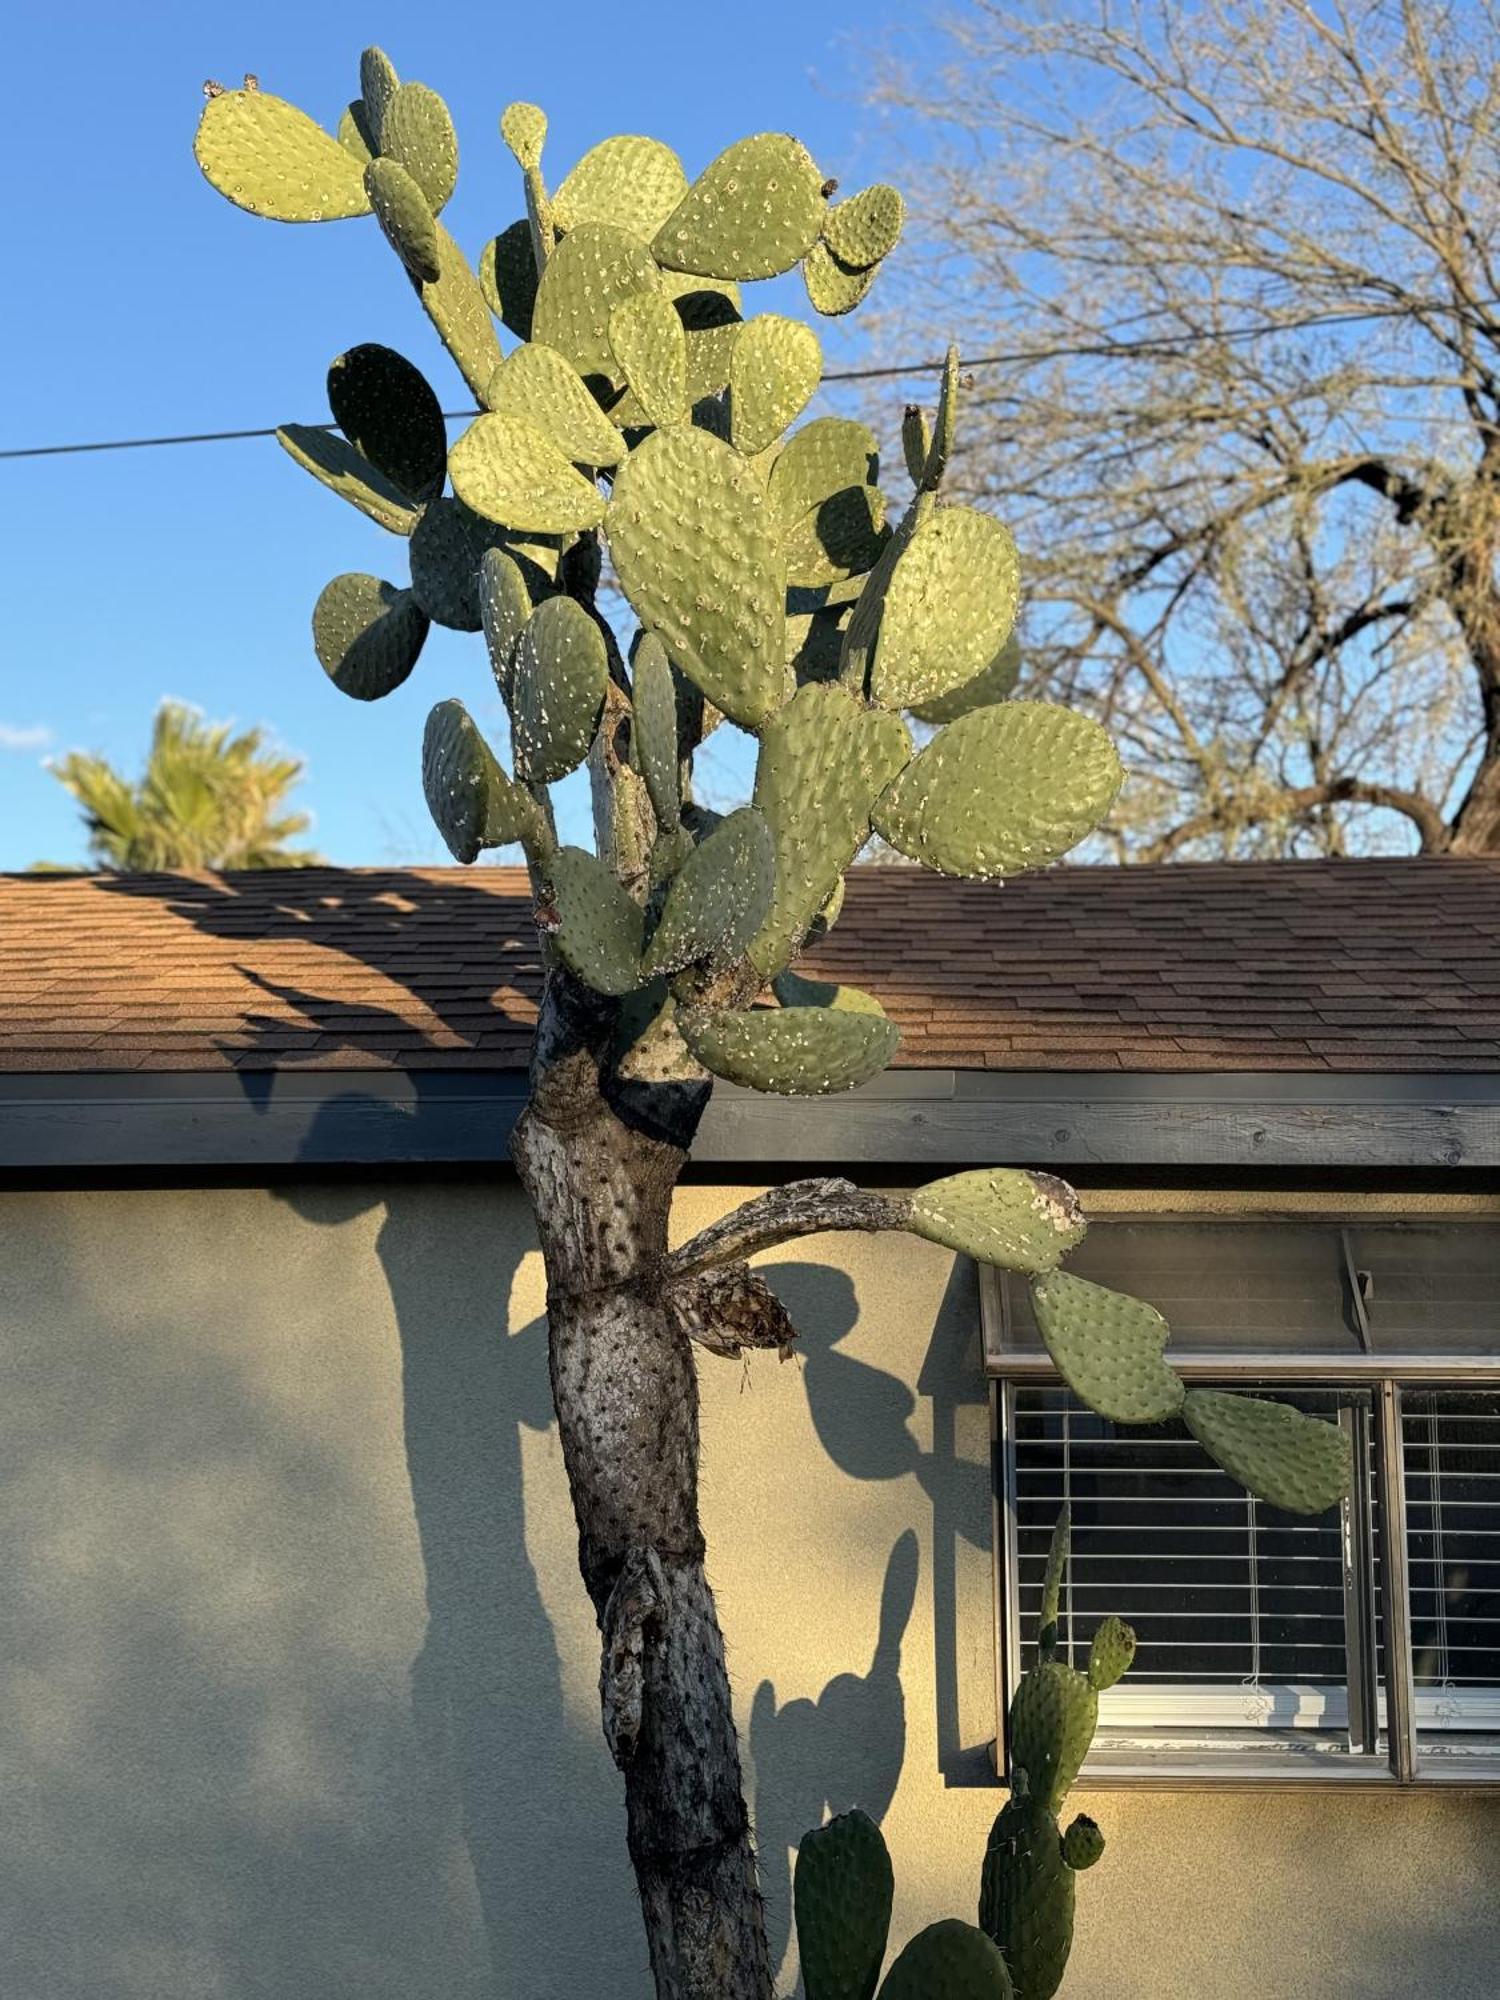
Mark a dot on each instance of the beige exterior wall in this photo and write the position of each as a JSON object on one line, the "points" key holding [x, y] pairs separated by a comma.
{"points": [[287, 1575]]}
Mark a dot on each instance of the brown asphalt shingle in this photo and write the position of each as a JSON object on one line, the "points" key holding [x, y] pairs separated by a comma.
{"points": [[1333, 966]]}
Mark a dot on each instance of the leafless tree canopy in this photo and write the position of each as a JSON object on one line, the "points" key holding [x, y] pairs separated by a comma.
{"points": [[1247, 257]]}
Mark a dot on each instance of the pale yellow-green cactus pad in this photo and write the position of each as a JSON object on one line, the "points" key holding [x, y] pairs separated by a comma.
{"points": [[828, 510], [406, 216], [417, 130], [456, 306], [993, 683], [1002, 789], [508, 277], [792, 990], [352, 133], [653, 729], [865, 228], [598, 927], [1001, 1215], [474, 804], [718, 898], [632, 182], [595, 268], [1292, 1461], [504, 607], [557, 689], [792, 1051], [272, 159], [335, 463], [1108, 1348], [367, 634], [649, 344], [523, 127], [378, 84], [835, 288], [539, 385], [752, 213], [511, 472], [949, 607], [775, 367]]}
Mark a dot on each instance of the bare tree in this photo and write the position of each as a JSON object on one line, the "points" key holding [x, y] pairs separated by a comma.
{"points": [[1243, 262]]}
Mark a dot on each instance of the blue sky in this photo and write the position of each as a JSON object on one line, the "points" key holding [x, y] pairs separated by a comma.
{"points": [[143, 303]]}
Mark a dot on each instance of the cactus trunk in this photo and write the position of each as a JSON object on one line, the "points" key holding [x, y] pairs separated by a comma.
{"points": [[600, 1176]]}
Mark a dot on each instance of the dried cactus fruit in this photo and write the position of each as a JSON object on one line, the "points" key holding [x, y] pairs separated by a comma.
{"points": [[367, 634], [406, 217], [508, 277], [1027, 1895], [416, 131], [631, 182], [1108, 1349], [718, 898], [598, 932], [388, 411], [775, 367], [1002, 789], [794, 1051], [511, 472], [474, 804], [1111, 1651], [993, 683], [559, 674], [378, 84], [950, 1960], [842, 1889], [750, 214], [456, 306], [1001, 1215], [653, 729], [593, 269], [538, 384], [335, 463], [1292, 1461], [266, 156], [835, 288], [949, 607], [865, 229], [649, 345]]}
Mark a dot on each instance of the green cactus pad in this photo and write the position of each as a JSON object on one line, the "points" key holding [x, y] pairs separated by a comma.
{"points": [[949, 607], [335, 463], [509, 471], [718, 898], [1002, 789], [505, 604], [866, 227], [842, 1888], [649, 344], [693, 552], [945, 430], [826, 504], [508, 277], [1052, 1719], [456, 306], [367, 634], [916, 441], [593, 269], [558, 680], [417, 131], [994, 683], [950, 1960], [598, 933], [266, 156], [1082, 1844], [792, 990], [1057, 1561], [403, 212], [1294, 1462], [754, 212], [388, 411], [447, 546], [1026, 1896], [472, 801], [834, 288], [378, 84], [1108, 1349], [710, 317], [774, 370], [353, 133], [523, 127], [630, 182], [539, 385], [794, 1051], [653, 731], [1001, 1215], [842, 539], [824, 760], [1111, 1651]]}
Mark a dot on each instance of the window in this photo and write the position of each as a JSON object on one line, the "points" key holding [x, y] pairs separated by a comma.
{"points": [[1263, 1636]]}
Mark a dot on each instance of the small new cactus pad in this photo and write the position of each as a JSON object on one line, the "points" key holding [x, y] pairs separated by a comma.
{"points": [[598, 930], [653, 730], [949, 607], [824, 760], [945, 429], [1027, 1896], [1295, 1462], [993, 683], [866, 227], [1001, 1215], [595, 268], [378, 84], [404, 213], [833, 287], [718, 898], [1002, 789], [456, 306], [793, 1051], [1052, 1580], [511, 472], [416, 130], [1111, 1651], [447, 546], [1082, 1843], [1108, 1348], [1053, 1715], [335, 462], [774, 370], [841, 1893], [916, 442], [950, 1960], [367, 634], [389, 412], [472, 801], [630, 182], [649, 344], [792, 990], [751, 214], [558, 678], [539, 385], [272, 159], [504, 607], [508, 277], [523, 127], [692, 549]]}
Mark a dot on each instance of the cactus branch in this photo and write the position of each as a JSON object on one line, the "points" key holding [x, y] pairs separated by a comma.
{"points": [[801, 1208]]}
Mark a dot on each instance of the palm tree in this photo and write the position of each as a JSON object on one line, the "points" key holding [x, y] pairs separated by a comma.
{"points": [[207, 799]]}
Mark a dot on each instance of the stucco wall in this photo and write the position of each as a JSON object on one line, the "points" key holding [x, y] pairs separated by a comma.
{"points": [[287, 1575]]}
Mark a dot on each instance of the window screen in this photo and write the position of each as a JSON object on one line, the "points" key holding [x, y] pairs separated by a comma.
{"points": [[1451, 1449]]}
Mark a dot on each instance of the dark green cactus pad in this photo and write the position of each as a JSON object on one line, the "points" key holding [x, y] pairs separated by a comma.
{"points": [[653, 730], [632, 183], [916, 441], [378, 84], [405, 215], [752, 213], [1053, 1714], [1001, 1215], [1108, 1348], [541, 386], [1057, 1561], [1294, 1462], [865, 228], [792, 990], [508, 277], [335, 463], [511, 472], [523, 127], [598, 927], [390, 414], [505, 604], [447, 547], [824, 760], [353, 132], [949, 607], [835, 288], [793, 1051], [774, 371], [693, 552], [649, 344], [993, 683], [417, 131], [1002, 789], [472, 801], [367, 634], [1111, 1651], [718, 898], [456, 306], [558, 680], [842, 1888], [1082, 1844], [950, 1960], [1026, 1897], [593, 269], [266, 156]]}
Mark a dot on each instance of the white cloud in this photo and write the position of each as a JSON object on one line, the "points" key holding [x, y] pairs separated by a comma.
{"points": [[13, 736]]}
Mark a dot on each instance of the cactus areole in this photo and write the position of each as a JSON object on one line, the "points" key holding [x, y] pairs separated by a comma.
{"points": [[638, 407]]}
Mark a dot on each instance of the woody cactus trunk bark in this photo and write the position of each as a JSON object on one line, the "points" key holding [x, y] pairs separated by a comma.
{"points": [[638, 409]]}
